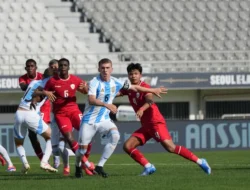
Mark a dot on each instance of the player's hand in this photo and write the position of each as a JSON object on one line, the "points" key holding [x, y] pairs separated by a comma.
{"points": [[50, 95], [111, 107], [159, 91], [139, 113], [83, 87]]}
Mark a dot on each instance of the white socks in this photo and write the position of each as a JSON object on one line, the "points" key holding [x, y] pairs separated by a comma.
{"points": [[47, 152], [5, 155], [22, 155], [107, 152]]}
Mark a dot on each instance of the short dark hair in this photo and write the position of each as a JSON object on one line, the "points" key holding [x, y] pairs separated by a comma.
{"points": [[64, 59], [53, 61], [30, 60], [47, 73], [104, 60], [134, 66]]}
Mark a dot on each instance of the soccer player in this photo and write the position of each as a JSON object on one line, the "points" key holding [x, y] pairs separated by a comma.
{"points": [[153, 125], [102, 90], [27, 117], [24, 81], [46, 116], [65, 108], [4, 157]]}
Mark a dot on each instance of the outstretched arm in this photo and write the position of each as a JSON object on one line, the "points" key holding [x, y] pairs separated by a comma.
{"points": [[155, 91]]}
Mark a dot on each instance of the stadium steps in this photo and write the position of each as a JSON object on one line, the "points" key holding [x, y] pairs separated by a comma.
{"points": [[72, 20]]}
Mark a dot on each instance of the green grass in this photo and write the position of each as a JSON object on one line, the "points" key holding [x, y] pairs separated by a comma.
{"points": [[230, 170]]}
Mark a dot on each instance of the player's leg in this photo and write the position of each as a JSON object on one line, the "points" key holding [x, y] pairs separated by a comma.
{"points": [[139, 137], [6, 157], [35, 144], [55, 136], [87, 166], [20, 131], [37, 125], [65, 127], [86, 134], [65, 156], [162, 135], [45, 132], [110, 129]]}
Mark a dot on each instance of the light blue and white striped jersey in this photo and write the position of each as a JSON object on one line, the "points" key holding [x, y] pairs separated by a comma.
{"points": [[27, 97], [105, 92]]}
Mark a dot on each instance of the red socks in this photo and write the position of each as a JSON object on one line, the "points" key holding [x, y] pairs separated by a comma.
{"points": [[138, 156], [184, 152]]}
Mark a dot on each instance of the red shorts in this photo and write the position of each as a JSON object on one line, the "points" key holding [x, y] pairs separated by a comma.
{"points": [[68, 120], [157, 131], [45, 111]]}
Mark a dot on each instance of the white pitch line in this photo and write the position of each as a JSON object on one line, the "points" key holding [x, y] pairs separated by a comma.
{"points": [[159, 164]]}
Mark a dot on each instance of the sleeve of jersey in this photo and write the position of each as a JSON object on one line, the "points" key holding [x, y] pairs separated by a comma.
{"points": [[146, 86], [93, 84], [47, 85], [21, 80]]}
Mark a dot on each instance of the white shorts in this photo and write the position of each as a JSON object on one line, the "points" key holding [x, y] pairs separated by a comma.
{"points": [[25, 120], [88, 131]]}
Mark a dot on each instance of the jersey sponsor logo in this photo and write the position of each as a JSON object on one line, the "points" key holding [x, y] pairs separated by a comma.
{"points": [[72, 86], [64, 126], [56, 86]]}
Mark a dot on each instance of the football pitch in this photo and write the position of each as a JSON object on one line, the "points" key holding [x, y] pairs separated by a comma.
{"points": [[230, 170]]}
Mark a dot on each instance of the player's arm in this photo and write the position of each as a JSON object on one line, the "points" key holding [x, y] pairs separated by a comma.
{"points": [[40, 92], [149, 102], [155, 91], [83, 87], [23, 86], [93, 101], [119, 94]]}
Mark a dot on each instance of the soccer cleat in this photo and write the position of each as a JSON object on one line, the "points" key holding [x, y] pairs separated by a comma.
{"points": [[25, 169], [205, 166], [78, 172], [148, 171], [99, 170], [11, 169], [47, 167], [66, 171], [89, 170], [56, 161], [2, 160]]}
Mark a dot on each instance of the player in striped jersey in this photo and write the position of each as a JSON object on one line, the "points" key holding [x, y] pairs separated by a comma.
{"points": [[28, 117], [101, 93]]}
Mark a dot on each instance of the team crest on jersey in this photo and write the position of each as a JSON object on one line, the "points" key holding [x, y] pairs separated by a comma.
{"points": [[72, 86], [102, 90], [137, 95], [113, 89]]}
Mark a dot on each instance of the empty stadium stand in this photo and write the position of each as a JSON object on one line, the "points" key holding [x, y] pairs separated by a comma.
{"points": [[164, 35]]}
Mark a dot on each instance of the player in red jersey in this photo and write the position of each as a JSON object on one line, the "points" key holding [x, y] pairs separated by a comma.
{"points": [[24, 81], [65, 108], [153, 125]]}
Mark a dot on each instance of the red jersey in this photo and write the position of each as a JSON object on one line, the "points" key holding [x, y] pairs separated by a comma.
{"points": [[137, 100], [26, 80], [65, 92]]}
